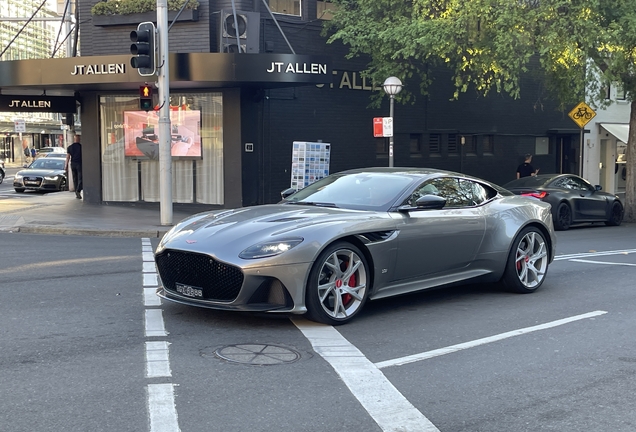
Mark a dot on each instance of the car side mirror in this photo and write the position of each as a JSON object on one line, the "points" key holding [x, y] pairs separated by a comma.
{"points": [[426, 202], [287, 193], [598, 187]]}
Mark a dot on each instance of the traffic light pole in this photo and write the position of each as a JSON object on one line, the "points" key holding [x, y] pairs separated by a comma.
{"points": [[165, 131]]}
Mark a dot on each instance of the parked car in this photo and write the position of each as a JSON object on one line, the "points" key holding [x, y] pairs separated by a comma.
{"points": [[48, 150], [574, 200], [357, 235], [2, 171], [44, 174]]}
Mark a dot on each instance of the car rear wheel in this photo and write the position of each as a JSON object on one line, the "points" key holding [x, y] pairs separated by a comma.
{"points": [[563, 217], [338, 284], [616, 215], [527, 262]]}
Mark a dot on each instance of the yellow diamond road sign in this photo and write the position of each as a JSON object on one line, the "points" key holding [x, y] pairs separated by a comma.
{"points": [[582, 114]]}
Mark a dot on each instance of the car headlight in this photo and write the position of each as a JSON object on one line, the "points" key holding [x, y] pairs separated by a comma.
{"points": [[53, 178], [17, 177], [271, 248]]}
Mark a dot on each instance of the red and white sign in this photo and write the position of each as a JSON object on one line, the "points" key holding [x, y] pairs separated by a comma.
{"points": [[377, 127], [382, 127]]}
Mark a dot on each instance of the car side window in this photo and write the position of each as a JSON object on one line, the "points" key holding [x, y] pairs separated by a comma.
{"points": [[426, 188], [456, 193]]}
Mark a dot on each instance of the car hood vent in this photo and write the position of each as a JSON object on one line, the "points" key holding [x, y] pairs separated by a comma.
{"points": [[376, 236], [288, 219]]}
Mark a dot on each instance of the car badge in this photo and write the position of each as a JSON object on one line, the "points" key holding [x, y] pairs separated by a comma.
{"points": [[190, 241]]}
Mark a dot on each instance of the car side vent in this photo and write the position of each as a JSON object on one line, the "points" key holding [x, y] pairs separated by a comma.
{"points": [[376, 236]]}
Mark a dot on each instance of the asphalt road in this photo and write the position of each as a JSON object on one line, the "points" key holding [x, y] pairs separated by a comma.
{"points": [[85, 348]]}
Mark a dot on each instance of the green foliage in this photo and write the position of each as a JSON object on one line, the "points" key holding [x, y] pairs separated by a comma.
{"points": [[125, 7]]}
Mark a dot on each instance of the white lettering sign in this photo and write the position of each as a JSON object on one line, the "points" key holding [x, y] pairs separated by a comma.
{"points": [[100, 69], [298, 68]]}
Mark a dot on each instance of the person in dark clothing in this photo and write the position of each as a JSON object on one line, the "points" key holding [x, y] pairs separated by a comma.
{"points": [[525, 169], [74, 154]]}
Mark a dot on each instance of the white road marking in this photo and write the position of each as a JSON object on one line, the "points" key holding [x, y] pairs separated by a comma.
{"points": [[146, 248], [157, 359], [593, 254], [161, 407], [462, 346], [154, 323], [151, 298], [150, 279], [603, 262], [148, 256], [386, 405]]}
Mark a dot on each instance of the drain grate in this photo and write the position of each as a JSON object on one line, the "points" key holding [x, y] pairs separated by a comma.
{"points": [[257, 354]]}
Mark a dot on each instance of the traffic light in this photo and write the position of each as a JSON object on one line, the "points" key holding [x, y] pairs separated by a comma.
{"points": [[145, 98], [143, 49]]}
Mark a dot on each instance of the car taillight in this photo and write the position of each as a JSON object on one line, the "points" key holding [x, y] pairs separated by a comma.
{"points": [[539, 195]]}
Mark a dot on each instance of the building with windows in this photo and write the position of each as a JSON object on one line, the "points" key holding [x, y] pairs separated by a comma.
{"points": [[278, 83], [36, 40]]}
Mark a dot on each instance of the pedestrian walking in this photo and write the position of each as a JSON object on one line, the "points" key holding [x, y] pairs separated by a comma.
{"points": [[526, 169], [74, 155]]}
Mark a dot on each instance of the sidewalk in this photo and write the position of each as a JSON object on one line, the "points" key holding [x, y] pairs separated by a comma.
{"points": [[61, 213]]}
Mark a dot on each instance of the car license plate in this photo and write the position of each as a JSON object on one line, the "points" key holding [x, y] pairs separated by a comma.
{"points": [[30, 182], [189, 291]]}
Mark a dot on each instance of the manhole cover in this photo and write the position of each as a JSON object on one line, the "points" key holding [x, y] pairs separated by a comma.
{"points": [[257, 354]]}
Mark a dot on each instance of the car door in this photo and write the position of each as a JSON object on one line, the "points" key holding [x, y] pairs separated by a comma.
{"points": [[589, 203], [437, 242]]}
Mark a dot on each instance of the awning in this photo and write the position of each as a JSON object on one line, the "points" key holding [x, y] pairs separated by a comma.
{"points": [[619, 130]]}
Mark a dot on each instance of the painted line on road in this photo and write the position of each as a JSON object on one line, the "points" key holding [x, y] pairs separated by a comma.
{"points": [[150, 279], [593, 254], [386, 405], [603, 262], [157, 359], [161, 408], [462, 346]]}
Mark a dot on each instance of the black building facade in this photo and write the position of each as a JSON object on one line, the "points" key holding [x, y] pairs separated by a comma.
{"points": [[252, 107]]}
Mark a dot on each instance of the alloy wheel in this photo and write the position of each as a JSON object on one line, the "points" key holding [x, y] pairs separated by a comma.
{"points": [[531, 259]]}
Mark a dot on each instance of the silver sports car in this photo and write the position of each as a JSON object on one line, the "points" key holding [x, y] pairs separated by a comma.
{"points": [[353, 236]]}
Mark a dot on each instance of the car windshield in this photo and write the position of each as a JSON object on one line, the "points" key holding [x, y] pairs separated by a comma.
{"points": [[48, 163], [357, 191]]}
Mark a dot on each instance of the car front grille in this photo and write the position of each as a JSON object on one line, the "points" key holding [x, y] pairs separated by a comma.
{"points": [[219, 281], [32, 181]]}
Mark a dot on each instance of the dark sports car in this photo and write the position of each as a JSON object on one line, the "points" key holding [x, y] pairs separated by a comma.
{"points": [[44, 174], [357, 235], [574, 200]]}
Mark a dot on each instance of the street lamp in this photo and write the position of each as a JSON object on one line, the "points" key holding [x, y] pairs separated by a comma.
{"points": [[392, 86]]}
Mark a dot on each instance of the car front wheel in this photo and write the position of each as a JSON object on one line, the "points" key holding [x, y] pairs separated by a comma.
{"points": [[338, 284], [1, 177], [616, 215], [563, 217], [527, 262]]}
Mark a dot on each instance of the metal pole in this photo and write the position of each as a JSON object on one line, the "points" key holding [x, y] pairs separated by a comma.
{"points": [[581, 154], [165, 132], [392, 97]]}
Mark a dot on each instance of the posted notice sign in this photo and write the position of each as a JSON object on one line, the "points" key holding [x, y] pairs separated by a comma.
{"points": [[382, 127]]}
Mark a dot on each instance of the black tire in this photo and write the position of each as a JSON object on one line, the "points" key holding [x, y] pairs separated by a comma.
{"points": [[19, 190], [563, 218], [616, 215], [63, 185], [527, 262], [1, 177], [336, 292]]}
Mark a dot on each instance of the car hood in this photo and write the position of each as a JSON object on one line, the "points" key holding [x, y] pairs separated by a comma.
{"points": [[40, 172], [226, 233]]}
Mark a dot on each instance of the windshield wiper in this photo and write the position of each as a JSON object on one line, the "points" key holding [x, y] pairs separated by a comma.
{"points": [[311, 203]]}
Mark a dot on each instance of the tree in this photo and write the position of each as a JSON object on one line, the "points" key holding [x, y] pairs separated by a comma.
{"points": [[580, 46]]}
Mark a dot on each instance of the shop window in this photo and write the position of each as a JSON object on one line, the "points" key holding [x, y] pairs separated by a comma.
{"points": [[620, 92], [453, 148], [287, 7], [415, 147], [325, 9], [129, 149], [488, 145], [434, 144], [470, 148]]}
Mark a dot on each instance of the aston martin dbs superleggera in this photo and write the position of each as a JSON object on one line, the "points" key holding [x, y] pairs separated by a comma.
{"points": [[353, 236]]}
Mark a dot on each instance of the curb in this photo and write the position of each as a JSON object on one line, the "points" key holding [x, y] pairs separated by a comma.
{"points": [[87, 232]]}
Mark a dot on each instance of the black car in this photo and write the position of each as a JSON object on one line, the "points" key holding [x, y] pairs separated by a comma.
{"points": [[574, 200], [44, 174]]}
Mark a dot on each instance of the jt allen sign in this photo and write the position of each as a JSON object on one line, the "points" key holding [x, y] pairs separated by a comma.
{"points": [[52, 104]]}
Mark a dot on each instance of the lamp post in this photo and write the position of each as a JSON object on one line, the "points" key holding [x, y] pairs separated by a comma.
{"points": [[391, 86]]}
